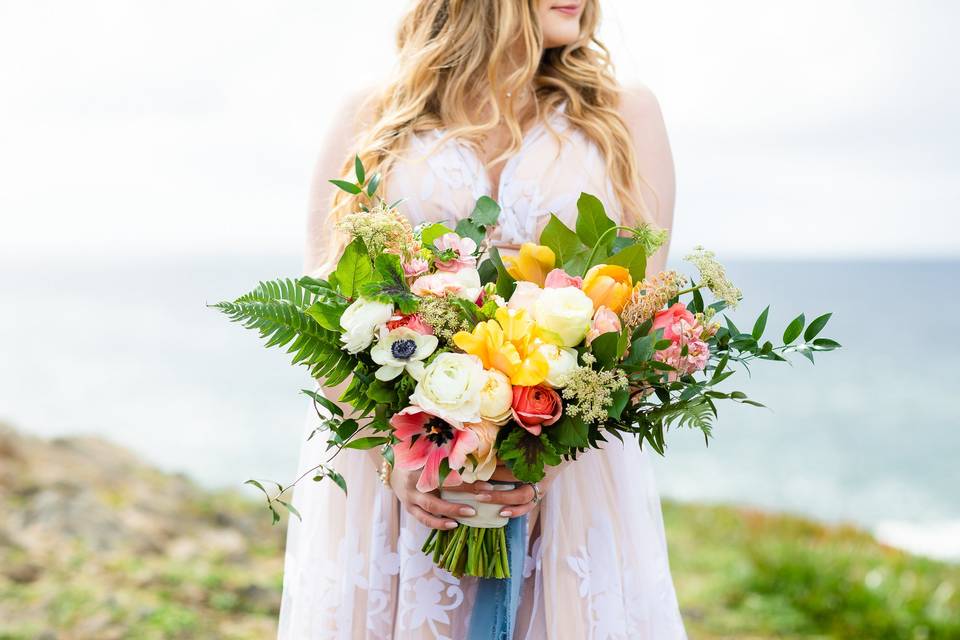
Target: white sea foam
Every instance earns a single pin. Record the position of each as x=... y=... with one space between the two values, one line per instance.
x=938 y=540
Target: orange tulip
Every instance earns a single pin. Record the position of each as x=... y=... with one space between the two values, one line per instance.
x=608 y=285
x=532 y=264
x=507 y=344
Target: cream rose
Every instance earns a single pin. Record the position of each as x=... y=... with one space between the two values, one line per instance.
x=565 y=311
x=562 y=362
x=496 y=397
x=450 y=388
x=361 y=321
x=485 y=453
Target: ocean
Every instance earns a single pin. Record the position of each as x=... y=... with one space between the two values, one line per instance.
x=870 y=435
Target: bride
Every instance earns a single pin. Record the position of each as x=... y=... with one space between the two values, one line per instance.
x=514 y=99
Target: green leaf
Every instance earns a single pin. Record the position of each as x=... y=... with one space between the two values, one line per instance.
x=367 y=443
x=467 y=228
x=326 y=314
x=354 y=268
x=430 y=234
x=826 y=344
x=593 y=223
x=793 y=329
x=760 y=324
x=641 y=350
x=633 y=258
x=381 y=392
x=488 y=271
x=289 y=507
x=258 y=485
x=323 y=401
x=526 y=454
x=358 y=170
x=349 y=187
x=606 y=348
x=486 y=212
x=338 y=479
x=620 y=400
x=392 y=287
x=570 y=431
x=564 y=243
x=505 y=282
x=444 y=470
x=816 y=327
x=374 y=184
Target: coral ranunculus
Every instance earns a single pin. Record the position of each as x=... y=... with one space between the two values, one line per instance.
x=604 y=321
x=532 y=264
x=536 y=407
x=672 y=321
x=608 y=285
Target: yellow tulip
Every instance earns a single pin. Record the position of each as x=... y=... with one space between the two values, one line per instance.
x=532 y=264
x=608 y=285
x=507 y=344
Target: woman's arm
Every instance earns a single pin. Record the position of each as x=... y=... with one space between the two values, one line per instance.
x=641 y=112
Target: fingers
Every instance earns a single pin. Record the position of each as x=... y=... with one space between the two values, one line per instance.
x=430 y=520
x=514 y=497
x=432 y=504
x=517 y=511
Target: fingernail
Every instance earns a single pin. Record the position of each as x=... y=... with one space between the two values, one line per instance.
x=506 y=513
x=468 y=511
x=483 y=497
x=451 y=525
x=484 y=486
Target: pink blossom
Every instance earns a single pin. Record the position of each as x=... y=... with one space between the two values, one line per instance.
x=413 y=322
x=698 y=353
x=436 y=441
x=604 y=321
x=558 y=278
x=416 y=267
x=464 y=248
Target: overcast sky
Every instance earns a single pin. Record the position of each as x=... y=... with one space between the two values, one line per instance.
x=822 y=128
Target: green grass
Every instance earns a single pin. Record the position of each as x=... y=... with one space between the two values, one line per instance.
x=739 y=574
x=744 y=574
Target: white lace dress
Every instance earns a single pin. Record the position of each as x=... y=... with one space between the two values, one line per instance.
x=597 y=565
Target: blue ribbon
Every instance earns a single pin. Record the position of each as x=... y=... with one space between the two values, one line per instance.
x=495 y=607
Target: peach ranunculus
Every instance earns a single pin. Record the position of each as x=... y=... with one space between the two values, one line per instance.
x=413 y=321
x=485 y=454
x=560 y=278
x=536 y=407
x=464 y=283
x=508 y=343
x=531 y=264
x=674 y=321
x=604 y=321
x=608 y=285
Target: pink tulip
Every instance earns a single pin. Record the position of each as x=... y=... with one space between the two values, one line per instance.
x=604 y=321
x=558 y=278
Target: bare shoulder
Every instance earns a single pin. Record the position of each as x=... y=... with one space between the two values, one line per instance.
x=639 y=106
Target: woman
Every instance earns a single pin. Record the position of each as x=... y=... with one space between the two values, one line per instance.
x=513 y=99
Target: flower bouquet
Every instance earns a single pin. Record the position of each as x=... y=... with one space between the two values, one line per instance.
x=458 y=359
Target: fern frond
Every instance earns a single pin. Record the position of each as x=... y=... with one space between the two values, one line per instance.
x=277 y=311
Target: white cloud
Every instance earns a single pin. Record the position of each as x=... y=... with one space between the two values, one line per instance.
x=142 y=128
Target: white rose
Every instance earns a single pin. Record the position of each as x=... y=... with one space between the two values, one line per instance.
x=496 y=397
x=450 y=388
x=562 y=362
x=361 y=321
x=525 y=296
x=566 y=311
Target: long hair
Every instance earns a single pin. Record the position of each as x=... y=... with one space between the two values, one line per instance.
x=463 y=64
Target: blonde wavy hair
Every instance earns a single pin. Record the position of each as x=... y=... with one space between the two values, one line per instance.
x=462 y=66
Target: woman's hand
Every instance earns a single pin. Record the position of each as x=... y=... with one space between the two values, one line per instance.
x=428 y=508
x=516 y=502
